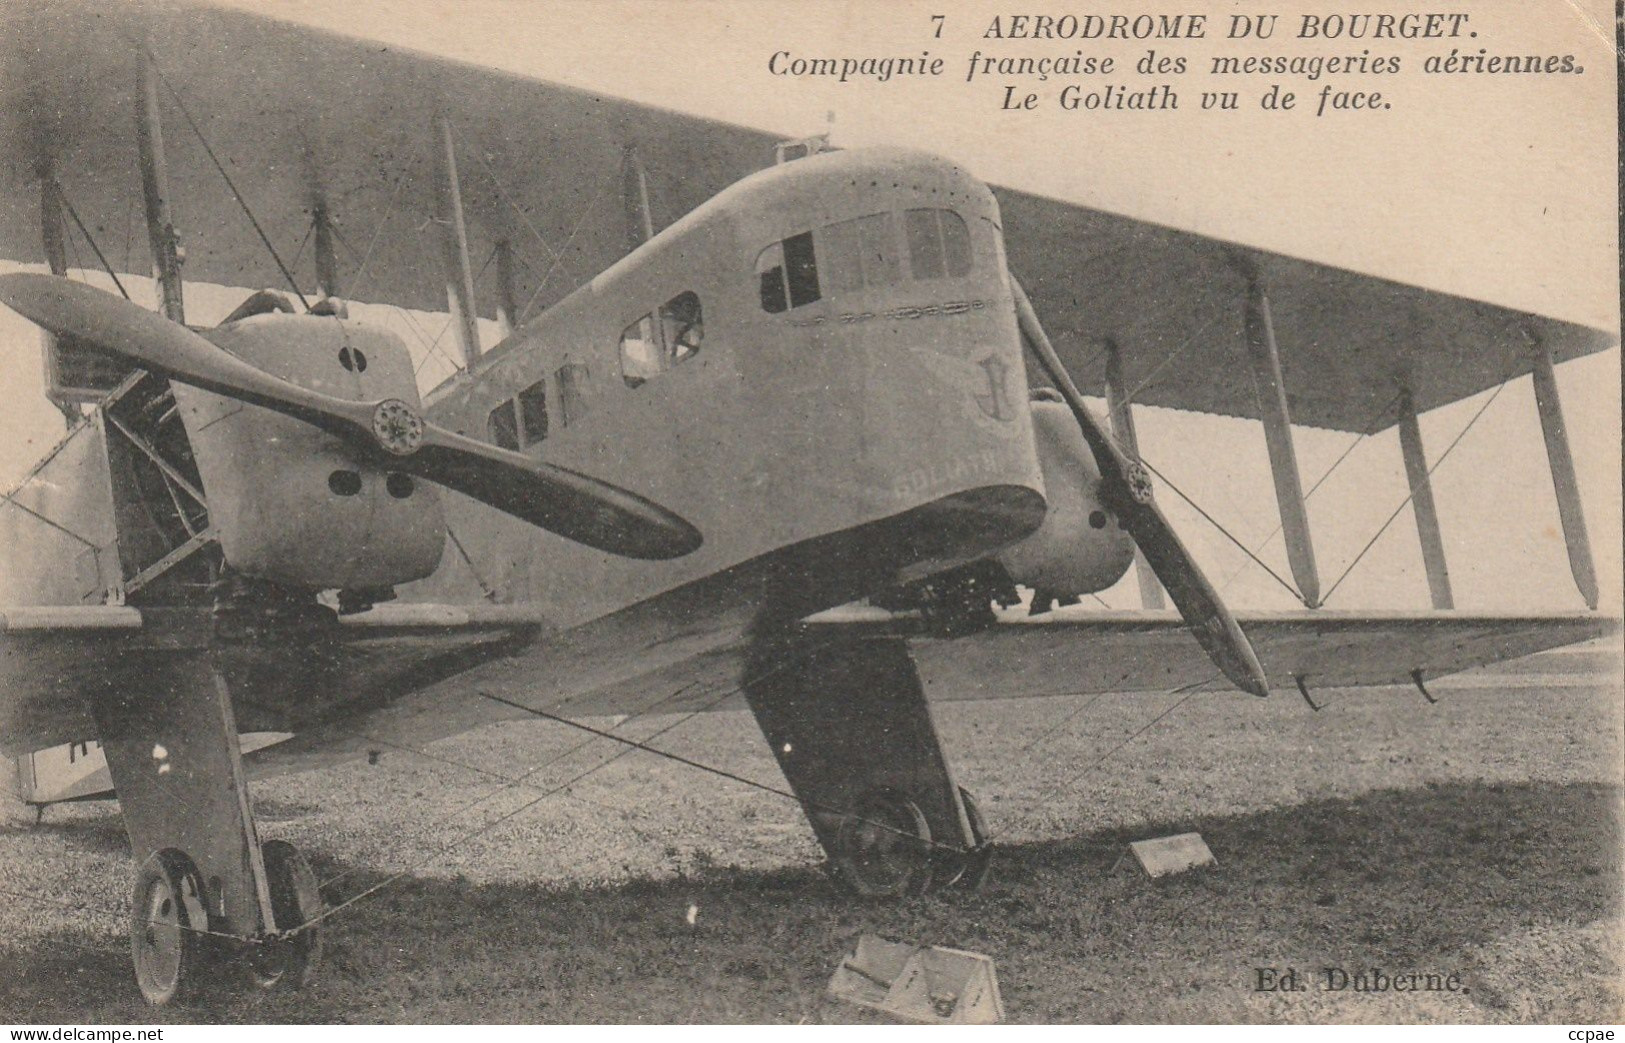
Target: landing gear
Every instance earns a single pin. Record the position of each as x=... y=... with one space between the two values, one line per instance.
x=284 y=961
x=970 y=870
x=850 y=726
x=883 y=847
x=209 y=899
x=168 y=918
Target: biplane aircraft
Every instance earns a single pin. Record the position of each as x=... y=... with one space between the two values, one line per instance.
x=798 y=425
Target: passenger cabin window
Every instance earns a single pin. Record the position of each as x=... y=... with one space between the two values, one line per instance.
x=861 y=253
x=662 y=339
x=533 y=413
x=938 y=243
x=502 y=426
x=571 y=379
x=521 y=421
x=788 y=274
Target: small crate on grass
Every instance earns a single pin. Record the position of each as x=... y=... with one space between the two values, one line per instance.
x=927 y=984
x=1164 y=856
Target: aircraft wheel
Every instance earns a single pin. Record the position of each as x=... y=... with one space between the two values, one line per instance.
x=284 y=963
x=978 y=862
x=967 y=869
x=883 y=847
x=168 y=915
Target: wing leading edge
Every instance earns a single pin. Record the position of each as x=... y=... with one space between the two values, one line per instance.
x=346 y=124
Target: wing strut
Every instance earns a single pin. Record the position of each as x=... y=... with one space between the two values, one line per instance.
x=1266 y=363
x=454 y=243
x=1427 y=515
x=1564 y=482
x=161 y=237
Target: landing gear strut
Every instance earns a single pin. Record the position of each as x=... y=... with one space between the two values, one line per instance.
x=851 y=728
x=284 y=961
x=209 y=899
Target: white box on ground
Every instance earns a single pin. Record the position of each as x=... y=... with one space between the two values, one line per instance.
x=1163 y=856
x=927 y=984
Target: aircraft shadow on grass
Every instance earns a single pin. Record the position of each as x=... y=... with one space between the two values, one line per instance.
x=1397 y=878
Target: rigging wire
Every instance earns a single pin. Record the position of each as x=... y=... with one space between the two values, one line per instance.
x=558 y=260
x=309 y=231
x=634 y=744
x=1225 y=532
x=726 y=694
x=1190 y=692
x=1362 y=436
x=62 y=197
x=503 y=192
x=173 y=93
x=1411 y=495
x=1186 y=346
x=486 y=827
x=364 y=259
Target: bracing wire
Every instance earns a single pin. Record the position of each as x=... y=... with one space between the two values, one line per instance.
x=1372 y=542
x=1190 y=692
x=1223 y=531
x=258 y=229
x=1349 y=449
x=62 y=197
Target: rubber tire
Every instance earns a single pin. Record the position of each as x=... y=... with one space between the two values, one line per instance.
x=168 y=910
x=286 y=964
x=967 y=870
x=853 y=870
x=979 y=862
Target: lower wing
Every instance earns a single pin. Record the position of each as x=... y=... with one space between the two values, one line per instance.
x=398 y=678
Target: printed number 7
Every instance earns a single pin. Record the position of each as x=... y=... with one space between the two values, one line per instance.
x=939 y=19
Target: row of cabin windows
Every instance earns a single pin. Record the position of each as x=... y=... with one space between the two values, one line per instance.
x=521 y=421
x=862 y=252
x=649 y=346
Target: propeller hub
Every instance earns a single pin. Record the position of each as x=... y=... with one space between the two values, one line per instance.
x=397 y=427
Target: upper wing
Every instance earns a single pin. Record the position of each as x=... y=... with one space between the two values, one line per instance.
x=349 y=123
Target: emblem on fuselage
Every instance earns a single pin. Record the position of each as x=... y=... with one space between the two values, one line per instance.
x=995 y=402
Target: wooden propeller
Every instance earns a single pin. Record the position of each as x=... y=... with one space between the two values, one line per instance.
x=1125 y=489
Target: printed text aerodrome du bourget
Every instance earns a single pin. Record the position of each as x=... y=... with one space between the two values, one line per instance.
x=1016 y=50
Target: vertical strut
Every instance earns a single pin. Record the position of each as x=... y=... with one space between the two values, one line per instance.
x=53 y=236
x=640 y=224
x=161 y=237
x=1427 y=517
x=1121 y=409
x=327 y=265
x=507 y=288
x=1564 y=482
x=1266 y=362
x=454 y=244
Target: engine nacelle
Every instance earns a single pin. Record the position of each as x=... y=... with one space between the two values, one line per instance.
x=1080 y=548
x=292 y=504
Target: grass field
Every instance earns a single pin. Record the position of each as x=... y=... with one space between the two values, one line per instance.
x=1481 y=837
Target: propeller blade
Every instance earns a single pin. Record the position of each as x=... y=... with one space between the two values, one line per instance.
x=388 y=433
x=1126 y=490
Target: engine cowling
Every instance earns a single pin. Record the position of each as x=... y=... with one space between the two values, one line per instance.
x=291 y=503
x=1079 y=548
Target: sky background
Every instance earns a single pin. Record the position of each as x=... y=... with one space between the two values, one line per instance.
x=1500 y=188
